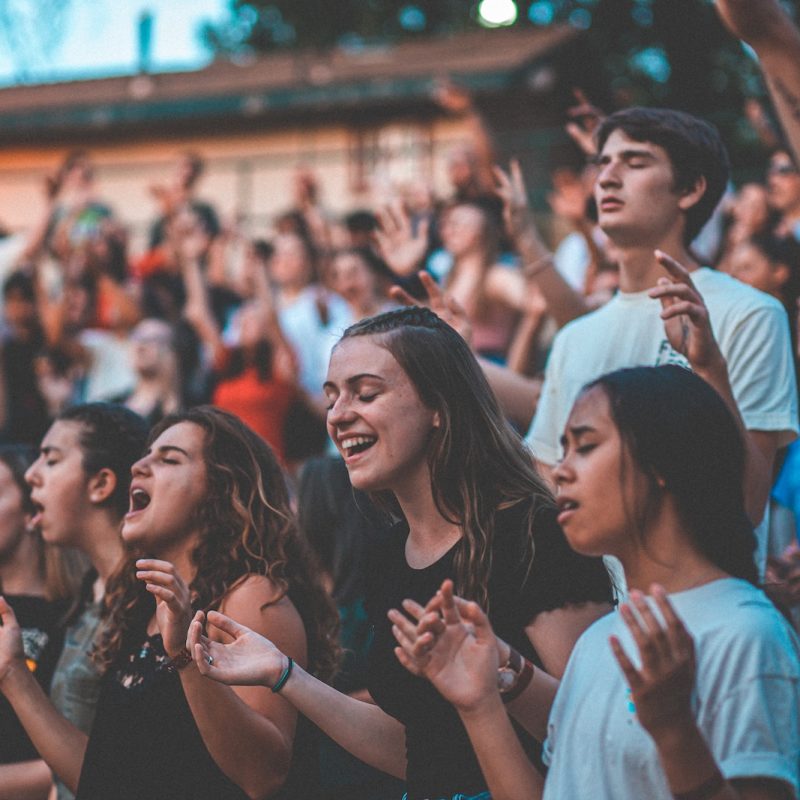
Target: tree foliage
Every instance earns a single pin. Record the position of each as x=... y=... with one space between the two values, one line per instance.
x=665 y=52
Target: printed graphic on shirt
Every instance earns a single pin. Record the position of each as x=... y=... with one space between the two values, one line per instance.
x=667 y=354
x=34 y=642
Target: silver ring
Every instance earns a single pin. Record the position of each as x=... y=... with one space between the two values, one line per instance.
x=209 y=660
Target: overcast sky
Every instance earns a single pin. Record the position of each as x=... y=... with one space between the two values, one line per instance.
x=99 y=37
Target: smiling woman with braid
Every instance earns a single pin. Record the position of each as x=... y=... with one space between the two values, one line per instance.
x=418 y=427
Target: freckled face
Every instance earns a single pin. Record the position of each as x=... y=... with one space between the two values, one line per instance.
x=376 y=417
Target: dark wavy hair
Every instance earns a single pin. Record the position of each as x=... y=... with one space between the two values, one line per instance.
x=694 y=147
x=478 y=464
x=111 y=437
x=247 y=528
x=679 y=430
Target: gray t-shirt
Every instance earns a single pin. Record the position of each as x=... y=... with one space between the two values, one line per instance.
x=75 y=688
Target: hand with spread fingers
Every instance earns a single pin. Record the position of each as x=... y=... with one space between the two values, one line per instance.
x=11 y=648
x=456 y=650
x=401 y=246
x=444 y=305
x=517 y=214
x=686 y=320
x=248 y=659
x=661 y=688
x=173 y=601
x=584 y=120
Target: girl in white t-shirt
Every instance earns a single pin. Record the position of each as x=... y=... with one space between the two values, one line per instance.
x=691 y=691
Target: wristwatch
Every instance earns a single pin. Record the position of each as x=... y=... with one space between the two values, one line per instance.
x=514 y=676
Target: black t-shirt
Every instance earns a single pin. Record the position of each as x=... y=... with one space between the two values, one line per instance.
x=441 y=761
x=42 y=638
x=144 y=742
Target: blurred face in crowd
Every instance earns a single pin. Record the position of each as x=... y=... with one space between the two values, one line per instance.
x=168 y=486
x=598 y=485
x=152 y=347
x=59 y=484
x=13 y=519
x=376 y=418
x=752 y=266
x=290 y=265
x=637 y=204
x=751 y=207
x=353 y=280
x=783 y=183
x=251 y=325
x=461 y=167
x=19 y=311
x=462 y=229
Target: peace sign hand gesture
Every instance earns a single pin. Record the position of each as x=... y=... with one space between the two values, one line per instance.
x=662 y=687
x=686 y=320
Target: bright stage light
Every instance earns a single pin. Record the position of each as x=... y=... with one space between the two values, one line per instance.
x=497 y=13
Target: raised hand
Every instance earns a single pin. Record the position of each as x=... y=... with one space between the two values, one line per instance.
x=661 y=689
x=753 y=22
x=11 y=649
x=686 y=320
x=458 y=654
x=585 y=119
x=173 y=601
x=444 y=305
x=452 y=98
x=510 y=188
x=401 y=247
x=247 y=660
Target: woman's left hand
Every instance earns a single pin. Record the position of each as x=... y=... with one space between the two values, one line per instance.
x=662 y=688
x=173 y=601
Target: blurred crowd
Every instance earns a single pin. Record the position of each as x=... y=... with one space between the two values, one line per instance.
x=564 y=324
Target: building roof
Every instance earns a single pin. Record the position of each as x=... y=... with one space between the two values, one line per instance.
x=276 y=85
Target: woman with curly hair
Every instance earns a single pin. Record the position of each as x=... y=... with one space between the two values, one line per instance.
x=209 y=527
x=418 y=427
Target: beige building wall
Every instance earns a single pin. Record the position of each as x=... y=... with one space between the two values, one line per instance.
x=246 y=174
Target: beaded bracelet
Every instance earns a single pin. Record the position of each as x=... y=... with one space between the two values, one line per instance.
x=181 y=660
x=284 y=676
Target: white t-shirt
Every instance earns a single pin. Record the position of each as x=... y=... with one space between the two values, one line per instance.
x=572 y=259
x=746 y=700
x=311 y=339
x=751 y=329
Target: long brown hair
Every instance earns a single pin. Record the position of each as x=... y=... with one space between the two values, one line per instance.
x=247 y=528
x=478 y=464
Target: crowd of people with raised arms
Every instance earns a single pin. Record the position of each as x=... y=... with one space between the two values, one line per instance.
x=301 y=545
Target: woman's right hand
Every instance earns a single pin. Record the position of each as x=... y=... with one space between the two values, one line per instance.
x=12 y=652
x=248 y=660
x=459 y=655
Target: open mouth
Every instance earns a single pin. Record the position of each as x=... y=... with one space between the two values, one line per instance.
x=565 y=507
x=139 y=500
x=38 y=510
x=357 y=444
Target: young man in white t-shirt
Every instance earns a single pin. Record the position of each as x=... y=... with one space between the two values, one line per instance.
x=661 y=173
